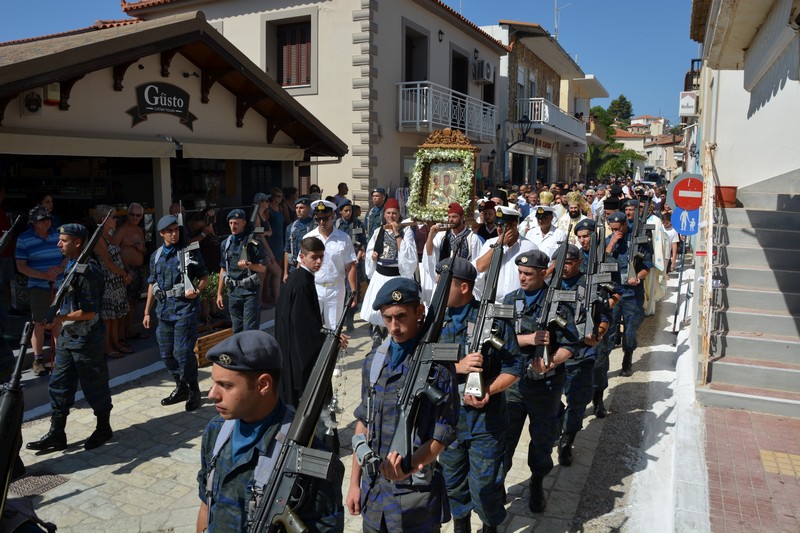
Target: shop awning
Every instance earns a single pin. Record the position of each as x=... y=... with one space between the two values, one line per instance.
x=193 y=150
x=31 y=144
x=67 y=58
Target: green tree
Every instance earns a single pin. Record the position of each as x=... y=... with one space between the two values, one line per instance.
x=604 y=118
x=621 y=108
x=676 y=130
x=618 y=163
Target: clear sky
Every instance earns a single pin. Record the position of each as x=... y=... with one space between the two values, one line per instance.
x=639 y=48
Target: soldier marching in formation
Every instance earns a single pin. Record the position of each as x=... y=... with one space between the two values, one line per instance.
x=459 y=445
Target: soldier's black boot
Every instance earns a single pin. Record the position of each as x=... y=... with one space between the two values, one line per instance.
x=461 y=525
x=599 y=408
x=179 y=394
x=565 y=449
x=55 y=439
x=537 y=503
x=195 y=398
x=627 y=364
x=101 y=434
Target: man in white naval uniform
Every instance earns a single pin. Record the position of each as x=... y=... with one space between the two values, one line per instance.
x=339 y=263
x=545 y=235
x=513 y=245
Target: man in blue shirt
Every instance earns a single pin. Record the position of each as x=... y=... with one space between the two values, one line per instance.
x=246 y=374
x=388 y=498
x=39 y=258
x=176 y=309
x=473 y=464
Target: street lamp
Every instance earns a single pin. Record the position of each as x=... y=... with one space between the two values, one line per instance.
x=525 y=125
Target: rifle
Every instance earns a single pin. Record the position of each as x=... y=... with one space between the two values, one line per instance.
x=251 y=238
x=12 y=405
x=427 y=352
x=598 y=282
x=296 y=458
x=485 y=333
x=6 y=239
x=554 y=296
x=185 y=253
x=638 y=237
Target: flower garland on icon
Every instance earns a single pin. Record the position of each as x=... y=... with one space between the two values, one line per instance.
x=418 y=208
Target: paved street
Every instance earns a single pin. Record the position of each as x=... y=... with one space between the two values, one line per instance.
x=624 y=476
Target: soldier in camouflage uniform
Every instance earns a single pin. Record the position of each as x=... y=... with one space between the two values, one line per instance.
x=387 y=498
x=473 y=464
x=580 y=368
x=246 y=372
x=79 y=353
x=176 y=309
x=241 y=262
x=538 y=394
x=294 y=234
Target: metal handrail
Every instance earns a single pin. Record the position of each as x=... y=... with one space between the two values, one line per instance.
x=707 y=310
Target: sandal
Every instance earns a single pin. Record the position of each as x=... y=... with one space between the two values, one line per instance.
x=115 y=355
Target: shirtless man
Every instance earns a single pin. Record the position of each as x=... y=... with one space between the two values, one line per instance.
x=132 y=244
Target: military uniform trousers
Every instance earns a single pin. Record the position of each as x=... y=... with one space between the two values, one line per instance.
x=630 y=312
x=244 y=308
x=80 y=359
x=578 y=388
x=539 y=400
x=405 y=509
x=176 y=340
x=474 y=474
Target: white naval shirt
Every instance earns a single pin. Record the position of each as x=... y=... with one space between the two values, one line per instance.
x=339 y=252
x=548 y=242
x=508 y=280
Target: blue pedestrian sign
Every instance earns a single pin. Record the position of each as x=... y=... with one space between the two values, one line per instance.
x=686 y=222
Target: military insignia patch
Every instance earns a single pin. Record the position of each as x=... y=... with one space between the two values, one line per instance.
x=397 y=296
x=225 y=359
x=523 y=260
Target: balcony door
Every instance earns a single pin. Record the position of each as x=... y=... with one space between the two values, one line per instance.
x=459 y=72
x=416 y=55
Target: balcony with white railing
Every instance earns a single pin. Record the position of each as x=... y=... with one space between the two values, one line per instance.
x=543 y=113
x=424 y=106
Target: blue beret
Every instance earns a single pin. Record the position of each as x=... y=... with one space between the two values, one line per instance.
x=322 y=207
x=75 y=230
x=630 y=203
x=573 y=252
x=236 y=213
x=533 y=259
x=260 y=197
x=380 y=190
x=251 y=350
x=303 y=200
x=344 y=202
x=398 y=290
x=584 y=224
x=166 y=221
x=617 y=216
x=462 y=269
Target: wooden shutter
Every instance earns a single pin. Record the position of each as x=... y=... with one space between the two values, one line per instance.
x=294 y=54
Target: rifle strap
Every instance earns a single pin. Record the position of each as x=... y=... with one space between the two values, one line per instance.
x=378 y=363
x=266 y=462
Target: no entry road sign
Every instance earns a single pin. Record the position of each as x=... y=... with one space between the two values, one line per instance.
x=686 y=192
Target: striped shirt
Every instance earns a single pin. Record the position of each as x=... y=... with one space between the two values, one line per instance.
x=40 y=254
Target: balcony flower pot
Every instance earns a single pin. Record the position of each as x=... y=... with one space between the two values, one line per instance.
x=725 y=196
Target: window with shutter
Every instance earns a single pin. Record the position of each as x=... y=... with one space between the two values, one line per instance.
x=294 y=54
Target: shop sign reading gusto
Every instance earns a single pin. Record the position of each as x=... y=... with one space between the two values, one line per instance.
x=161 y=98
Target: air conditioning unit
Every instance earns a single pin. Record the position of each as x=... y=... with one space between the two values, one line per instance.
x=482 y=72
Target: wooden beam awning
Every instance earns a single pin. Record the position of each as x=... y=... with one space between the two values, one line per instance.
x=66 y=58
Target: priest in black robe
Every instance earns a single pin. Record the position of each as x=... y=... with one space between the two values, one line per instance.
x=298 y=322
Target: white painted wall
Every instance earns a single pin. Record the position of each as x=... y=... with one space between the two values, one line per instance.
x=751 y=148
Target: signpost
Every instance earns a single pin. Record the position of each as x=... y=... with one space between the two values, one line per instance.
x=685 y=195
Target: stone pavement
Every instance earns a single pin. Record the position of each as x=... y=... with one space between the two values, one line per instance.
x=145 y=478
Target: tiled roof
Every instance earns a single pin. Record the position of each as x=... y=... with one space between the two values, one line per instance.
x=132 y=6
x=622 y=134
x=645 y=117
x=666 y=139
x=98 y=25
x=142 y=4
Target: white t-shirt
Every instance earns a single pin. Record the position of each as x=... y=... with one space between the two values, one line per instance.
x=508 y=280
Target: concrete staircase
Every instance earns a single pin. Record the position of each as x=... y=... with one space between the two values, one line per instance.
x=755 y=347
